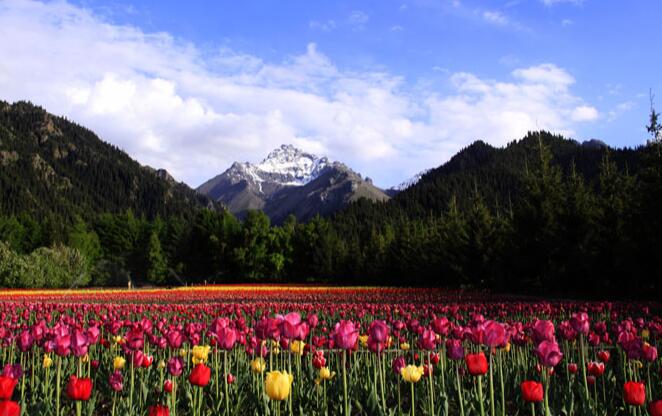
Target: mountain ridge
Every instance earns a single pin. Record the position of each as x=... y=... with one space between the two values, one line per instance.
x=290 y=181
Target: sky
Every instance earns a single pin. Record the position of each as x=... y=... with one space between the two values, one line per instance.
x=388 y=87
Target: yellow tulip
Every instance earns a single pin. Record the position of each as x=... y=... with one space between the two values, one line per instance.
x=297 y=347
x=85 y=358
x=162 y=364
x=364 y=340
x=404 y=346
x=118 y=339
x=277 y=385
x=258 y=365
x=645 y=334
x=326 y=374
x=200 y=354
x=507 y=347
x=118 y=363
x=411 y=373
x=48 y=361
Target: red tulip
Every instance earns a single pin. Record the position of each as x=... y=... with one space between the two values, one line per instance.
x=634 y=393
x=79 y=388
x=7 y=385
x=167 y=386
x=318 y=359
x=231 y=378
x=147 y=361
x=9 y=408
x=200 y=375
x=604 y=356
x=596 y=369
x=655 y=408
x=572 y=368
x=532 y=391
x=434 y=358
x=159 y=410
x=476 y=364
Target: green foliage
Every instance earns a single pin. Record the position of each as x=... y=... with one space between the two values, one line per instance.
x=541 y=215
x=85 y=241
x=157 y=267
x=51 y=267
x=53 y=168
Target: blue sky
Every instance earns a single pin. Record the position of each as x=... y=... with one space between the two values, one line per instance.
x=389 y=87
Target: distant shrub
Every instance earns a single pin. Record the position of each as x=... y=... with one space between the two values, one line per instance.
x=51 y=267
x=13 y=267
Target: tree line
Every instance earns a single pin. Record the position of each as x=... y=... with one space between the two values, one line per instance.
x=569 y=221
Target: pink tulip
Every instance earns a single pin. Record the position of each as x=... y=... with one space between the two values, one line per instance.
x=549 y=354
x=580 y=322
x=427 y=340
x=543 y=331
x=495 y=334
x=116 y=380
x=345 y=335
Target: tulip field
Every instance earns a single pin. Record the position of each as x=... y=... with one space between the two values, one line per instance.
x=313 y=350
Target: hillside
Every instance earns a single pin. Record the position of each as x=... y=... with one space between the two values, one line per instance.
x=498 y=173
x=52 y=167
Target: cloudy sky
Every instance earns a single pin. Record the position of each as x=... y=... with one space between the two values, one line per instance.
x=388 y=87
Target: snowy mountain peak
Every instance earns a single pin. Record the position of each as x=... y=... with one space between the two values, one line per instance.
x=289 y=165
x=409 y=182
x=289 y=181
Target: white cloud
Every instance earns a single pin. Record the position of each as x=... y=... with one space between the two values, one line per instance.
x=171 y=104
x=495 y=17
x=500 y=19
x=619 y=110
x=548 y=74
x=325 y=26
x=585 y=113
x=358 y=19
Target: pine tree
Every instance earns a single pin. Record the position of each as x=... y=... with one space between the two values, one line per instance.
x=157 y=266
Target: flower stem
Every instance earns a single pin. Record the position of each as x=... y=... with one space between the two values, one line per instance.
x=225 y=369
x=344 y=380
x=431 y=385
x=492 y=412
x=459 y=391
x=413 y=402
x=480 y=395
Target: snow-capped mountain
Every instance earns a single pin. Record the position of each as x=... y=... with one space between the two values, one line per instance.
x=406 y=184
x=290 y=166
x=289 y=181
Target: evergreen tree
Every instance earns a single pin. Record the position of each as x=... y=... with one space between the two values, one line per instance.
x=157 y=266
